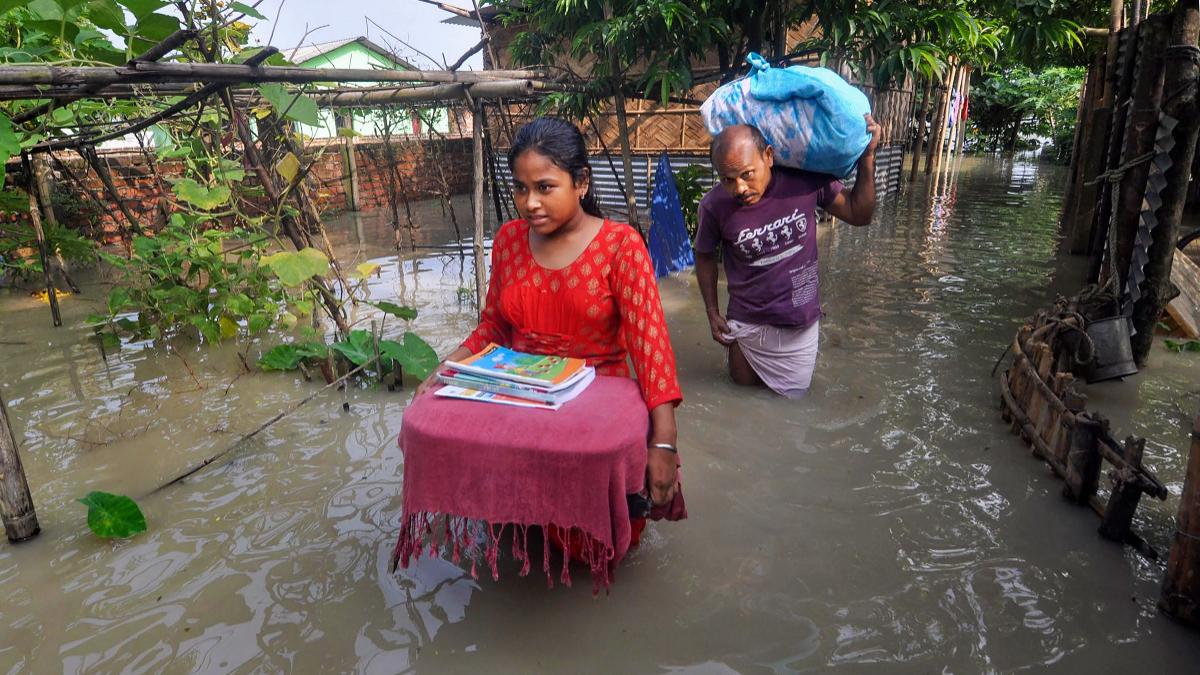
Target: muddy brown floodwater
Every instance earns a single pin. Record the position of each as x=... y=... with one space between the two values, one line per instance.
x=888 y=523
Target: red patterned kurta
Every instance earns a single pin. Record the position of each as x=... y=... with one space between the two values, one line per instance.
x=601 y=307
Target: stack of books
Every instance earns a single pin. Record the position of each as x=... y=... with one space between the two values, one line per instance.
x=500 y=375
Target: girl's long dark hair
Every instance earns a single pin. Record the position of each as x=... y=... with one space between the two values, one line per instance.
x=561 y=143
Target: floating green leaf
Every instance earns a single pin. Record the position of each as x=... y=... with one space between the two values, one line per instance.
x=294 y=268
x=1182 y=346
x=113 y=516
x=414 y=354
x=406 y=313
x=200 y=196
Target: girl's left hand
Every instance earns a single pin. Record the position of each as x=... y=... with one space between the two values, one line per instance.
x=661 y=475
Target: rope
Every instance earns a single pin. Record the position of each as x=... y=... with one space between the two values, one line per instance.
x=1185 y=535
x=1115 y=175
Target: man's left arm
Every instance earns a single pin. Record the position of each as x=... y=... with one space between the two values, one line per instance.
x=858 y=207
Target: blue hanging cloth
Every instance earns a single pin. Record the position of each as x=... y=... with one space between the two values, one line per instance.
x=670 y=247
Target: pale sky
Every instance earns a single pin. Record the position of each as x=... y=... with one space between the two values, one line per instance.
x=407 y=21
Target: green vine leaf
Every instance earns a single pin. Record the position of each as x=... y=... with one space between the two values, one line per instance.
x=294 y=268
x=281 y=357
x=249 y=11
x=288 y=166
x=199 y=196
x=113 y=516
x=292 y=106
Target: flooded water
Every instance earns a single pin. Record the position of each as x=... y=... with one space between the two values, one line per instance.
x=888 y=523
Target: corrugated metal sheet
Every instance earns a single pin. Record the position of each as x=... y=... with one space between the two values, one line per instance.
x=888 y=171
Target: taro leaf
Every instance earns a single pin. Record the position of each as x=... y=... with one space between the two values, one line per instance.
x=288 y=166
x=246 y=9
x=292 y=106
x=414 y=355
x=312 y=350
x=282 y=357
x=199 y=196
x=357 y=347
x=294 y=268
x=406 y=313
x=113 y=516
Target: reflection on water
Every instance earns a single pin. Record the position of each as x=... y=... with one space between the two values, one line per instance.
x=888 y=520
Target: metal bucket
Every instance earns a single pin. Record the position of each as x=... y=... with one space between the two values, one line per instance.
x=1114 y=354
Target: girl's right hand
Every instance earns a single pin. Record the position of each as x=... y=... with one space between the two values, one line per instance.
x=428 y=382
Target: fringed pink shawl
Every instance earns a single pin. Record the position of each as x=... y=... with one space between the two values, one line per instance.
x=516 y=467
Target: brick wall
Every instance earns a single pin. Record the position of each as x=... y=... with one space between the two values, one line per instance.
x=419 y=169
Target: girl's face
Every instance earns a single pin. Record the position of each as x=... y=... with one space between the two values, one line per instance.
x=545 y=193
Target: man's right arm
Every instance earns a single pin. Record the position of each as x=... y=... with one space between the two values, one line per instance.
x=706 y=276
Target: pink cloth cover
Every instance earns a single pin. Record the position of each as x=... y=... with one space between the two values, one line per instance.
x=517 y=467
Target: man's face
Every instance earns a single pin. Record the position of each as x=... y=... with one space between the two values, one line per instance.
x=745 y=171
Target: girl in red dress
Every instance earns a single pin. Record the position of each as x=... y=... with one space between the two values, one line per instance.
x=568 y=282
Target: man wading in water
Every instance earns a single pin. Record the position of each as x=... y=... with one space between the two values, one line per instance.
x=763 y=218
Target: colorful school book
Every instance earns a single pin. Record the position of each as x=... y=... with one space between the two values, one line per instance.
x=480 y=383
x=490 y=397
x=549 y=373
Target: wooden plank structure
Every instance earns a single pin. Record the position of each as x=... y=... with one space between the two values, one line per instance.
x=1040 y=400
x=1139 y=121
x=1184 y=310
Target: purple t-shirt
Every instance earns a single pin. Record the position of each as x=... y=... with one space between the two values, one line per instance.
x=769 y=247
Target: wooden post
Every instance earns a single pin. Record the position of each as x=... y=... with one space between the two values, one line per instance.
x=39 y=195
x=1079 y=237
x=16 y=504
x=1181 y=588
x=1083 y=460
x=477 y=202
x=353 y=200
x=1140 y=127
x=1087 y=99
x=1126 y=493
x=922 y=126
x=1181 y=105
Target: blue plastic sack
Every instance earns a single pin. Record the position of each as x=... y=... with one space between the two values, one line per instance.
x=811 y=116
x=669 y=244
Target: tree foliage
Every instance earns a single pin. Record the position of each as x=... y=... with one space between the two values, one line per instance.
x=1015 y=101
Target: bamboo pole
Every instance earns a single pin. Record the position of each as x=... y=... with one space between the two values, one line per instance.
x=228 y=73
x=939 y=120
x=1182 y=109
x=922 y=128
x=16 y=504
x=1181 y=587
x=38 y=195
x=477 y=202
